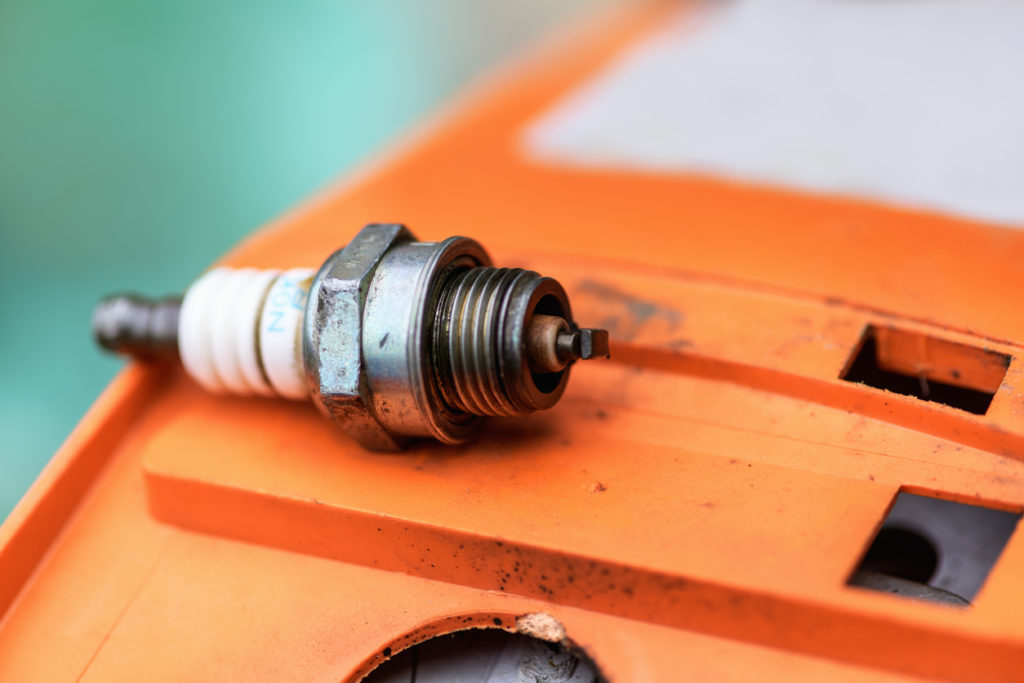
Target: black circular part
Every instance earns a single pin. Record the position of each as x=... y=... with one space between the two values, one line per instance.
x=903 y=553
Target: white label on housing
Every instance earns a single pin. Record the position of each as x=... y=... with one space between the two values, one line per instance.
x=914 y=102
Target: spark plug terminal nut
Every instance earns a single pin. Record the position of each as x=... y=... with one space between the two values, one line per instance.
x=396 y=338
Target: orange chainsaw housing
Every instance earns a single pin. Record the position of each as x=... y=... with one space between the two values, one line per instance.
x=691 y=510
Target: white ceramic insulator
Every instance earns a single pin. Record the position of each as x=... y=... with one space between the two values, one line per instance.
x=240 y=331
x=280 y=332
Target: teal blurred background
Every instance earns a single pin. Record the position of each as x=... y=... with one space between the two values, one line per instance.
x=140 y=140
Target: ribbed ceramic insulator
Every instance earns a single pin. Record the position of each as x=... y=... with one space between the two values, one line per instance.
x=239 y=331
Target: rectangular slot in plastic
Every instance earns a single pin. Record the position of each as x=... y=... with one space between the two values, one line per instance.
x=934 y=550
x=928 y=368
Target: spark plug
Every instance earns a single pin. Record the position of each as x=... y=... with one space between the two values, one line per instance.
x=392 y=338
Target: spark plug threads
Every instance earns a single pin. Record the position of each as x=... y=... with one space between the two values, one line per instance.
x=480 y=335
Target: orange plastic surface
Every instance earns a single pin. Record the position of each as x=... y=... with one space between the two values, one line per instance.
x=690 y=510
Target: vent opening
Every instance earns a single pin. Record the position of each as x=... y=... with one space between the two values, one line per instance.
x=929 y=368
x=487 y=656
x=936 y=550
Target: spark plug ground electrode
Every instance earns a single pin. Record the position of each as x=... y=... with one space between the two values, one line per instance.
x=392 y=338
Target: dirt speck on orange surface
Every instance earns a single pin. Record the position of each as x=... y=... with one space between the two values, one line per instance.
x=542 y=626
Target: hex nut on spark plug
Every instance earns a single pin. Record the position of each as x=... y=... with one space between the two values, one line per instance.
x=332 y=335
x=392 y=338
